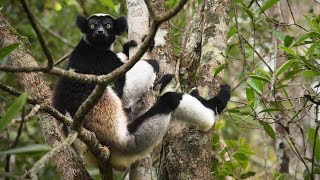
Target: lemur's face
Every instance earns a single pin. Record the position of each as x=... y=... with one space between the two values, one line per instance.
x=101 y=29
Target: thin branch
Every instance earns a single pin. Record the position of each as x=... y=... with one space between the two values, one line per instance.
x=28 y=117
x=281 y=24
x=172 y=12
x=245 y=40
x=7 y=167
x=51 y=154
x=63 y=58
x=39 y=35
x=54 y=34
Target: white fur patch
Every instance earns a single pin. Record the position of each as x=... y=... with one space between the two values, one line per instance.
x=151 y=133
x=159 y=38
x=99 y=15
x=123 y=57
x=193 y=111
x=138 y=80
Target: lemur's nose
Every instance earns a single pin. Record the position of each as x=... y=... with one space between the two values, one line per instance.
x=100 y=31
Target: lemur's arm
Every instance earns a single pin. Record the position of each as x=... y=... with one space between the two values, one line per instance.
x=124 y=55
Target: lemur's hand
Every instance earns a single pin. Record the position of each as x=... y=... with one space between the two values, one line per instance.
x=127 y=46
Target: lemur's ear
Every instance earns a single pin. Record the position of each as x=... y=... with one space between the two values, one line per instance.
x=82 y=23
x=120 y=25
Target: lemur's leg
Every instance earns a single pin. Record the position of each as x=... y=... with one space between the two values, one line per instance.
x=154 y=123
x=138 y=80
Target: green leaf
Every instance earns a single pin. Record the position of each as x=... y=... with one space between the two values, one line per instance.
x=287 y=50
x=278 y=34
x=310 y=73
x=268 y=5
x=268 y=129
x=244 y=7
x=311 y=137
x=313 y=23
x=263 y=73
x=13 y=110
x=218 y=69
x=108 y=3
x=247 y=175
x=232 y=32
x=117 y=8
x=250 y=95
x=27 y=149
x=306 y=36
x=4 y=51
x=310 y=50
x=317 y=170
x=262 y=78
x=241 y=158
x=288 y=40
x=257 y=86
x=284 y=67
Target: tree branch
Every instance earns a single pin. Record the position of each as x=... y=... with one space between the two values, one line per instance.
x=39 y=35
x=32 y=173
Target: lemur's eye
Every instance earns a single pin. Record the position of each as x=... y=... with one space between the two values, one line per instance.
x=108 y=25
x=92 y=26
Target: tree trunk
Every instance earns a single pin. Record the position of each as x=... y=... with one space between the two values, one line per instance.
x=68 y=165
x=187 y=152
x=138 y=22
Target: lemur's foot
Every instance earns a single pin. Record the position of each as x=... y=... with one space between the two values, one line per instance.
x=217 y=103
x=151 y=45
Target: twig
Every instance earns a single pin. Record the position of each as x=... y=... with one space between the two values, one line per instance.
x=39 y=35
x=7 y=168
x=28 y=117
x=281 y=24
x=63 y=58
x=52 y=153
x=245 y=40
x=54 y=34
x=314 y=142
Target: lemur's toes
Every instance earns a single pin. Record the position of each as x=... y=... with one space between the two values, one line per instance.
x=151 y=45
x=194 y=92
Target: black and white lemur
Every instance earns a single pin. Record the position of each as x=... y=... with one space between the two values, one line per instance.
x=128 y=140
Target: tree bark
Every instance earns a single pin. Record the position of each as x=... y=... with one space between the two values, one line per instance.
x=187 y=152
x=69 y=167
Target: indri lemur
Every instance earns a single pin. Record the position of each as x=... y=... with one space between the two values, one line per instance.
x=128 y=140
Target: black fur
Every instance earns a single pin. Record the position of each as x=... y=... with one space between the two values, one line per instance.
x=86 y=59
x=121 y=25
x=126 y=47
x=165 y=104
x=217 y=103
x=154 y=64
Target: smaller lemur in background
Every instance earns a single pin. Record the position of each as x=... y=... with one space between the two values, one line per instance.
x=128 y=140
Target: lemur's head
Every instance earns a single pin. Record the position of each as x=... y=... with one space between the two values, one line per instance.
x=101 y=29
